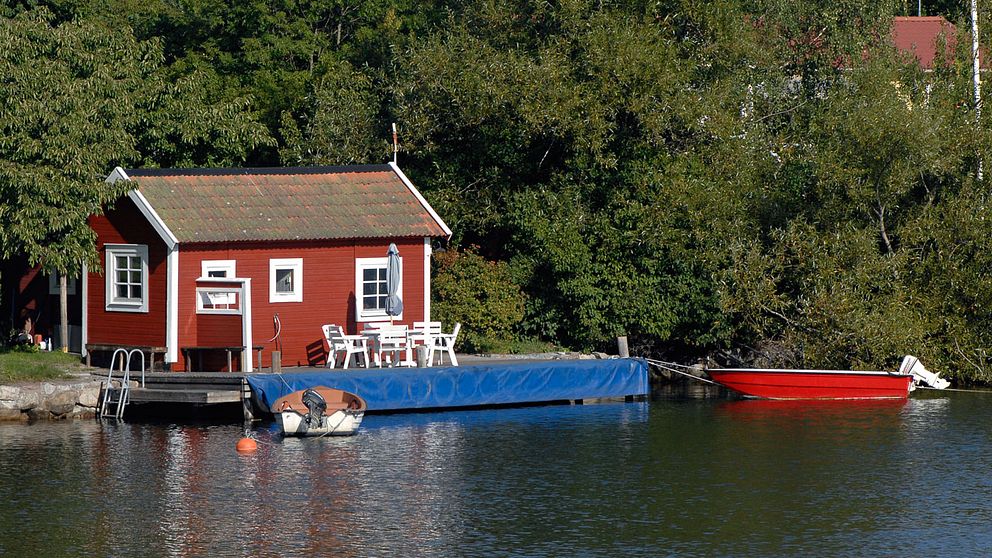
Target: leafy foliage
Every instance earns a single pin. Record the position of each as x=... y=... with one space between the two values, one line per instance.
x=68 y=103
x=763 y=178
x=479 y=294
x=80 y=98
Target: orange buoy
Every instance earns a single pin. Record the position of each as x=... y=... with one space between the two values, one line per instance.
x=246 y=445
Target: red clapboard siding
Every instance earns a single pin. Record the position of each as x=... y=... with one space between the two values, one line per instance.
x=124 y=224
x=328 y=292
x=32 y=289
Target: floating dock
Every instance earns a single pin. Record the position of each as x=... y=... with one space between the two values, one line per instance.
x=400 y=389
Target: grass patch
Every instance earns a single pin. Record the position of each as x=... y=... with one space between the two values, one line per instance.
x=32 y=366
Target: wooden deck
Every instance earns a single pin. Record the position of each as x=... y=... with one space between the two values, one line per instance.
x=203 y=388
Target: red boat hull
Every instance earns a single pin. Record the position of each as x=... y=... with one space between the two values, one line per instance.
x=813 y=384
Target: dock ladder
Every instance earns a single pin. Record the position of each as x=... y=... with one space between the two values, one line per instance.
x=115 y=399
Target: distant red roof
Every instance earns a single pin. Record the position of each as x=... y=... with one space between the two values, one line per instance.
x=919 y=36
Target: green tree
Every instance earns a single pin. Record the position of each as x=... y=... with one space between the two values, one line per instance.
x=479 y=294
x=341 y=124
x=78 y=99
x=69 y=100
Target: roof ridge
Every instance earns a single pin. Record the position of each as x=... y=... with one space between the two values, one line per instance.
x=241 y=171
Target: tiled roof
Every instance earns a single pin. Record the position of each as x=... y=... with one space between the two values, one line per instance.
x=300 y=203
x=919 y=35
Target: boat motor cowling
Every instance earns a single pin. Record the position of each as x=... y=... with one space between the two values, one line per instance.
x=912 y=365
x=316 y=405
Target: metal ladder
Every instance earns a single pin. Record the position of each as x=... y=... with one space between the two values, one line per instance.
x=115 y=399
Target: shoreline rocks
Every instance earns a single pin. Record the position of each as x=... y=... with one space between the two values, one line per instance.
x=52 y=400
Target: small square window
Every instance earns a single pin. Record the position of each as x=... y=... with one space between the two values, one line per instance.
x=286 y=280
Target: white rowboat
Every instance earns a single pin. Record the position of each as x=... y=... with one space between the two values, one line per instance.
x=319 y=411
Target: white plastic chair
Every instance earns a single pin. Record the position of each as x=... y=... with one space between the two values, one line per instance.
x=425 y=333
x=338 y=343
x=445 y=343
x=427 y=328
x=391 y=341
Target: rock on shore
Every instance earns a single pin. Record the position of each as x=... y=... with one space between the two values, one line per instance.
x=55 y=400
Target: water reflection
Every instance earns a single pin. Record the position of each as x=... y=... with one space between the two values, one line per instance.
x=675 y=477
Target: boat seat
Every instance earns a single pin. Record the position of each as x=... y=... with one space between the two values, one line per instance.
x=331 y=407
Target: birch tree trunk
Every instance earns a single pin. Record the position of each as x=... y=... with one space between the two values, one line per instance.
x=976 y=67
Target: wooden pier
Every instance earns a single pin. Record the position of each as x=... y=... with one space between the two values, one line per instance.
x=203 y=388
x=480 y=383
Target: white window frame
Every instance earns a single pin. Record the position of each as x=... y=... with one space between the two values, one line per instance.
x=53 y=285
x=229 y=267
x=219 y=296
x=375 y=314
x=113 y=302
x=294 y=264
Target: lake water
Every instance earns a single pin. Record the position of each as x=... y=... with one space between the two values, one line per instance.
x=690 y=477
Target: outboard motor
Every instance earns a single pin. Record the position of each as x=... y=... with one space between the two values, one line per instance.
x=316 y=405
x=911 y=365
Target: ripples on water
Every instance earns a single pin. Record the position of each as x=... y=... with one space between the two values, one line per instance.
x=677 y=478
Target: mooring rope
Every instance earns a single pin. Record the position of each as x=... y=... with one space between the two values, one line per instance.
x=344 y=415
x=249 y=433
x=953 y=389
x=673 y=367
x=662 y=363
x=291 y=390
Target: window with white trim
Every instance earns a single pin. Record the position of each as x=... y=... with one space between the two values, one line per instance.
x=218 y=300
x=286 y=280
x=217 y=268
x=372 y=289
x=127 y=278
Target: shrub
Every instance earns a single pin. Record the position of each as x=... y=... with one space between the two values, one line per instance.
x=480 y=294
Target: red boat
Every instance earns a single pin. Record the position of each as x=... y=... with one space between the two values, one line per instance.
x=778 y=383
x=772 y=383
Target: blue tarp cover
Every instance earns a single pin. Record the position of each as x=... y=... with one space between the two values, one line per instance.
x=392 y=389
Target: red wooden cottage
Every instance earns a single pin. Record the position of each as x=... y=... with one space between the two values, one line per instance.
x=228 y=257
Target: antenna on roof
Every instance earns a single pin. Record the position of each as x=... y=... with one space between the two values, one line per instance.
x=396 y=144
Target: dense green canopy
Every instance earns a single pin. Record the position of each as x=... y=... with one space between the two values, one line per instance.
x=760 y=179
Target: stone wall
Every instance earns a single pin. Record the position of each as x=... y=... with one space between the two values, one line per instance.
x=60 y=399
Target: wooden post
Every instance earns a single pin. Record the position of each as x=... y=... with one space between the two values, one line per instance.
x=622 y=347
x=421 y=356
x=276 y=362
x=63 y=312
